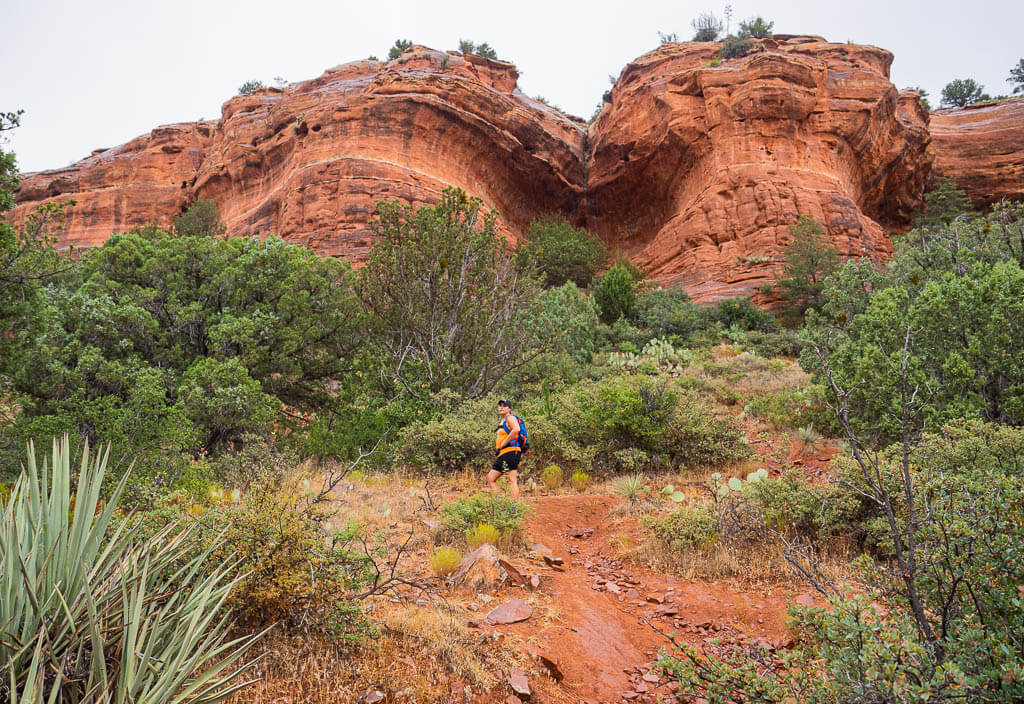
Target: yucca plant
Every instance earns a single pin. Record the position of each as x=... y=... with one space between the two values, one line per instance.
x=91 y=613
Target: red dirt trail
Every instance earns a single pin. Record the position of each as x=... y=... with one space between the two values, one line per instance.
x=604 y=642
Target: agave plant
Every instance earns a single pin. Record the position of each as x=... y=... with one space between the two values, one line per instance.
x=89 y=612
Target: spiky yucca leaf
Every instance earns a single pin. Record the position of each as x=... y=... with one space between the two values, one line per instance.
x=89 y=612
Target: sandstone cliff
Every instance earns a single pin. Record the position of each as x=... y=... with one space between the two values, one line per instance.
x=695 y=169
x=699 y=167
x=981 y=147
x=310 y=161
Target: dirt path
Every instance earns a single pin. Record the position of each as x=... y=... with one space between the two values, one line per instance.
x=607 y=615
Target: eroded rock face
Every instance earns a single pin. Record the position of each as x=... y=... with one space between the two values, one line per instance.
x=981 y=148
x=695 y=170
x=699 y=169
x=309 y=162
x=144 y=181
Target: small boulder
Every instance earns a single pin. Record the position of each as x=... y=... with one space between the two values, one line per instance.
x=480 y=570
x=514 y=575
x=370 y=695
x=512 y=611
x=519 y=684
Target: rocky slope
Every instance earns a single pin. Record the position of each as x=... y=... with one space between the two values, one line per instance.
x=695 y=169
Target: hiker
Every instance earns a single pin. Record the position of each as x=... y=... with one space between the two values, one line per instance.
x=508 y=448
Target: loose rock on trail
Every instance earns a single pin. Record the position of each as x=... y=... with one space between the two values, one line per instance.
x=609 y=619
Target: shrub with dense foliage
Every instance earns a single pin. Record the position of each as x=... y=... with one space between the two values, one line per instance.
x=947 y=316
x=504 y=514
x=961 y=92
x=734 y=47
x=615 y=294
x=561 y=252
x=756 y=27
x=167 y=346
x=399 y=48
x=810 y=259
x=449 y=304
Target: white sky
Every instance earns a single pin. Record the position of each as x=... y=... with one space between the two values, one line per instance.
x=98 y=73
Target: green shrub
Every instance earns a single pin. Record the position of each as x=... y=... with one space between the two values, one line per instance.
x=561 y=253
x=686 y=529
x=742 y=313
x=444 y=561
x=669 y=313
x=569 y=322
x=202 y=219
x=795 y=408
x=501 y=512
x=756 y=27
x=250 y=87
x=170 y=347
x=88 y=606
x=615 y=294
x=461 y=437
x=782 y=343
x=551 y=477
x=580 y=480
x=734 y=47
x=449 y=263
x=399 y=48
x=482 y=533
x=624 y=413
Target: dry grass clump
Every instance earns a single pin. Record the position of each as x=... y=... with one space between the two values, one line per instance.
x=482 y=533
x=431 y=645
x=437 y=635
x=444 y=561
x=552 y=477
x=580 y=480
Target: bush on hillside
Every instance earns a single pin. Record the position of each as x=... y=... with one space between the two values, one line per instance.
x=169 y=347
x=505 y=514
x=741 y=313
x=561 y=252
x=449 y=307
x=615 y=294
x=734 y=47
x=756 y=27
x=706 y=27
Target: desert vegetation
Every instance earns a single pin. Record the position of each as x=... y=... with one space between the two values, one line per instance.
x=293 y=445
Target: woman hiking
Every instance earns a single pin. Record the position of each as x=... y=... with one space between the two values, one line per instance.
x=508 y=448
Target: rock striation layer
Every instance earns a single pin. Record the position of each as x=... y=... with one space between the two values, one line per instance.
x=695 y=169
x=981 y=147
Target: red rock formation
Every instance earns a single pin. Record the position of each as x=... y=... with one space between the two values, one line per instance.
x=141 y=182
x=696 y=169
x=981 y=147
x=699 y=167
x=309 y=162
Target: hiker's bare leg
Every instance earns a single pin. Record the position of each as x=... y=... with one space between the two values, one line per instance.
x=492 y=478
x=513 y=479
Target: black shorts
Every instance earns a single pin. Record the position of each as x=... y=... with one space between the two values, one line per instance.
x=509 y=462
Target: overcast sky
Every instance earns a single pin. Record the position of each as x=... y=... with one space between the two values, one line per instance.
x=98 y=73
